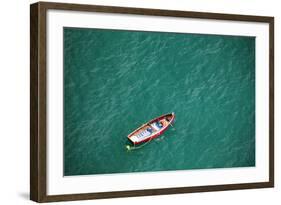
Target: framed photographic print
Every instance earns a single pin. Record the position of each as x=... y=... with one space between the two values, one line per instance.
x=134 y=102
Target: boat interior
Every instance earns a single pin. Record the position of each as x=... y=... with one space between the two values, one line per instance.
x=153 y=127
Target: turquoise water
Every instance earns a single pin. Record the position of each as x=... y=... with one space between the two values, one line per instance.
x=114 y=81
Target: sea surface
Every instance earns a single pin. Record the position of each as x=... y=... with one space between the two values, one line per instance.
x=114 y=81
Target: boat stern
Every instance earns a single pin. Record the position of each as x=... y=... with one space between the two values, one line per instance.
x=133 y=139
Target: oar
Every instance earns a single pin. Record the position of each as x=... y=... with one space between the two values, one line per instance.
x=173 y=127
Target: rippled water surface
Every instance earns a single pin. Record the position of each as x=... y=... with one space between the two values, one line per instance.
x=114 y=81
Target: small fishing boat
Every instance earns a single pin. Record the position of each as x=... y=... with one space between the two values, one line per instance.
x=151 y=129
